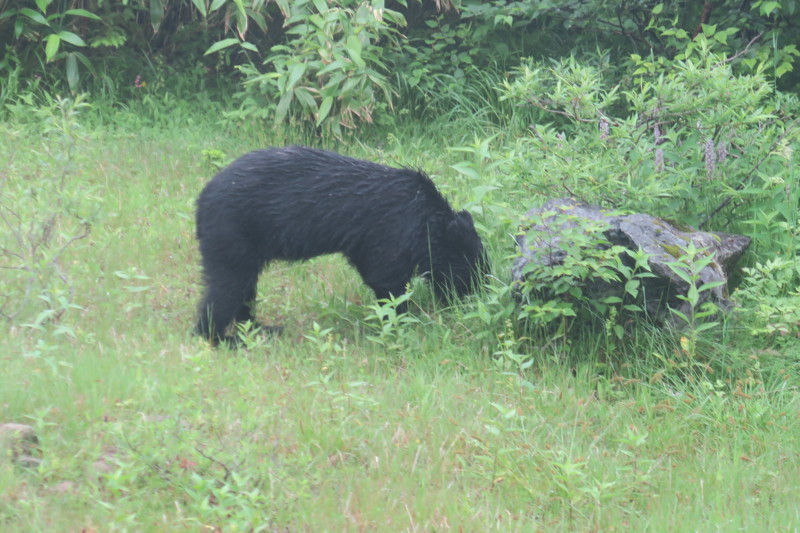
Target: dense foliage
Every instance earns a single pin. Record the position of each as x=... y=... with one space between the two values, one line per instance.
x=332 y=63
x=522 y=408
x=667 y=108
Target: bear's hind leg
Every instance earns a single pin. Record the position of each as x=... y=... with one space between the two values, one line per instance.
x=228 y=298
x=245 y=311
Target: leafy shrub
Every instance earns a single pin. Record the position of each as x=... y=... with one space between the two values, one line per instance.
x=581 y=278
x=435 y=66
x=687 y=139
x=770 y=300
x=331 y=70
x=48 y=24
x=41 y=217
x=761 y=34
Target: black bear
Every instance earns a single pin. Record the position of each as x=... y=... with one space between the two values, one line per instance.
x=297 y=203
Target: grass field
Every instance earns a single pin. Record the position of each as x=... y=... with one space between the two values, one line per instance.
x=350 y=421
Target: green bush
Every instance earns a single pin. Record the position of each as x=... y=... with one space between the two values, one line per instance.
x=687 y=140
x=580 y=286
x=769 y=300
x=46 y=33
x=43 y=215
x=330 y=72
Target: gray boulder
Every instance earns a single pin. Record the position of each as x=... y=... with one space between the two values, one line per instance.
x=544 y=244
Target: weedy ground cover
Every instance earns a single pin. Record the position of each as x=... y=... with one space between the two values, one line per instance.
x=450 y=418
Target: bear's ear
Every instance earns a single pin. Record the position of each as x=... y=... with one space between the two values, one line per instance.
x=465 y=217
x=461 y=228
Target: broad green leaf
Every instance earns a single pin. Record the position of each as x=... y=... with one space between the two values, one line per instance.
x=283 y=5
x=568 y=311
x=73 y=75
x=82 y=13
x=324 y=109
x=508 y=20
x=42 y=5
x=711 y=285
x=680 y=272
x=693 y=295
x=632 y=287
x=317 y=21
x=467 y=169
x=51 y=48
x=354 y=49
x=259 y=19
x=216 y=4
x=201 y=7
x=71 y=38
x=299 y=29
x=249 y=46
x=219 y=45
x=34 y=16
x=337 y=77
x=83 y=59
x=321 y=5
x=283 y=106
x=306 y=98
x=768 y=7
x=706 y=325
x=241 y=19
x=296 y=71
x=709 y=29
x=156 y=13
x=331 y=67
x=350 y=84
x=680 y=315
x=782 y=69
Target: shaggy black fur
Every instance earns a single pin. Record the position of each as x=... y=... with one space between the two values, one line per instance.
x=297 y=203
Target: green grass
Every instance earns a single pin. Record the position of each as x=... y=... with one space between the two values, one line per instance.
x=334 y=426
